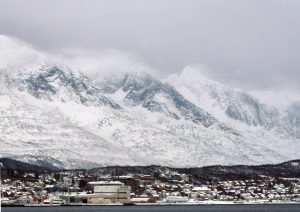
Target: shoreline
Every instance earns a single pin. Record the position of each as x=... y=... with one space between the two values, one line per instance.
x=153 y=204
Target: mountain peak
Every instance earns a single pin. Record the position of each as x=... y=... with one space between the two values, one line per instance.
x=56 y=83
x=193 y=77
x=158 y=123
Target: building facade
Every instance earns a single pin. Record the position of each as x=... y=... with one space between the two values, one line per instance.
x=109 y=192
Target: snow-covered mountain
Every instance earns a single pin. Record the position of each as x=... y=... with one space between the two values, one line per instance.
x=54 y=114
x=140 y=89
x=37 y=132
x=234 y=106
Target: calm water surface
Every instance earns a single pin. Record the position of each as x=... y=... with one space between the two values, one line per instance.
x=204 y=208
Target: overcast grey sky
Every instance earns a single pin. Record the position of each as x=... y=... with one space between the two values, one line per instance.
x=252 y=43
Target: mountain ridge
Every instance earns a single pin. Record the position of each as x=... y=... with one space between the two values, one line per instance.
x=134 y=119
x=288 y=169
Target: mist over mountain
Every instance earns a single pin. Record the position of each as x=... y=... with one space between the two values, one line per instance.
x=109 y=108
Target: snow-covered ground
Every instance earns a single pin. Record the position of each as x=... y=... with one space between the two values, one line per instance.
x=57 y=115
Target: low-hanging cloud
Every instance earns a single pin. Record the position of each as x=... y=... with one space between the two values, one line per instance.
x=17 y=55
x=107 y=61
x=252 y=44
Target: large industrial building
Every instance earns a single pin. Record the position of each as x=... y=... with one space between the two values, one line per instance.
x=108 y=192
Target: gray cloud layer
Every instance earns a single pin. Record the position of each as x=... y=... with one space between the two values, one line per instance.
x=253 y=44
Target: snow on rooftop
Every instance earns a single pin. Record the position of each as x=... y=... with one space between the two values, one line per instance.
x=203 y=188
x=105 y=183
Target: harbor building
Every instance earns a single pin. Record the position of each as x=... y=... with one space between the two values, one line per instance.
x=108 y=192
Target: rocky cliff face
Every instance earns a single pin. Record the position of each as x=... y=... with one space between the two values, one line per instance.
x=55 y=115
x=235 y=106
x=141 y=89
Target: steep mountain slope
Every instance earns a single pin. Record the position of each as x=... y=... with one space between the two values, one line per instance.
x=53 y=84
x=255 y=139
x=53 y=114
x=233 y=106
x=39 y=133
x=291 y=120
x=59 y=116
x=148 y=92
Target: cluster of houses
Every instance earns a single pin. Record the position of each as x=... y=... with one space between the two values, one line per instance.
x=79 y=187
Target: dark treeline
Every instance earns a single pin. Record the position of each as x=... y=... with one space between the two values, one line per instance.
x=235 y=172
